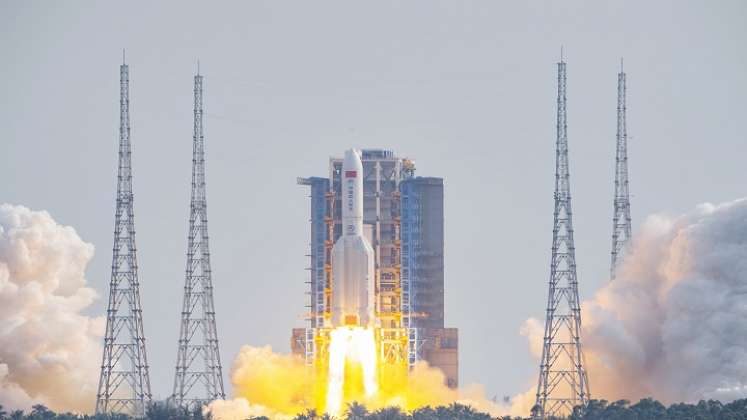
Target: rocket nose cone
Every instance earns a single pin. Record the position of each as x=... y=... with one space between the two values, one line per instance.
x=351 y=155
x=352 y=159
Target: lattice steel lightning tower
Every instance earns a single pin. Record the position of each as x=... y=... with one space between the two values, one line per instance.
x=199 y=377
x=621 y=225
x=124 y=385
x=563 y=382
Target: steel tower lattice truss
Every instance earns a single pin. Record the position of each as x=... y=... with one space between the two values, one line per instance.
x=621 y=225
x=124 y=385
x=199 y=377
x=563 y=382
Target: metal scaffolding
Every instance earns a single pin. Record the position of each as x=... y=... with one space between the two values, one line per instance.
x=403 y=221
x=621 y=225
x=563 y=382
x=198 y=357
x=124 y=384
x=410 y=236
x=382 y=174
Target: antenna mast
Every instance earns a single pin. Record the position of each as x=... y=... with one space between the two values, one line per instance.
x=198 y=358
x=563 y=383
x=621 y=224
x=124 y=384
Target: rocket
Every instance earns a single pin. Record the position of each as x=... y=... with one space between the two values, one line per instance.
x=353 y=284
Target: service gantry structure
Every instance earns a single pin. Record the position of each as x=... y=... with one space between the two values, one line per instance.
x=403 y=221
x=124 y=384
x=199 y=378
x=383 y=174
x=621 y=225
x=563 y=382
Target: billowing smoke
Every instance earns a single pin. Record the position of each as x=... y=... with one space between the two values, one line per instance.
x=280 y=386
x=277 y=385
x=49 y=351
x=670 y=326
x=673 y=324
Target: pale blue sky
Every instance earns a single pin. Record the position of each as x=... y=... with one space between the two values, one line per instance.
x=467 y=89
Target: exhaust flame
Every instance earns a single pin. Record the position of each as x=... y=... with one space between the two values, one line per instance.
x=352 y=365
x=281 y=386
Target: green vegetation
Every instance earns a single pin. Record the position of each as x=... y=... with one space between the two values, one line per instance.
x=646 y=409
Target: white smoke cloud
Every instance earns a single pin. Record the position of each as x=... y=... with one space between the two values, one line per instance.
x=673 y=324
x=49 y=352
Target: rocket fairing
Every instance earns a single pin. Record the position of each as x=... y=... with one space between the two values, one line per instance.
x=353 y=285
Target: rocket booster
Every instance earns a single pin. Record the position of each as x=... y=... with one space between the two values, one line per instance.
x=352 y=255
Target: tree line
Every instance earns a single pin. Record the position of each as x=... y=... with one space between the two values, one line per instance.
x=645 y=409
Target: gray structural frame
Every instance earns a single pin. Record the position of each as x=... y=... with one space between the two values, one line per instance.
x=319 y=268
x=563 y=382
x=409 y=236
x=621 y=222
x=422 y=261
x=198 y=356
x=124 y=384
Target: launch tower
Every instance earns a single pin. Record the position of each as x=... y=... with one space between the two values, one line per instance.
x=563 y=382
x=199 y=377
x=124 y=384
x=621 y=225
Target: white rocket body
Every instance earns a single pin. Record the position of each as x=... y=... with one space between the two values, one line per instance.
x=353 y=283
